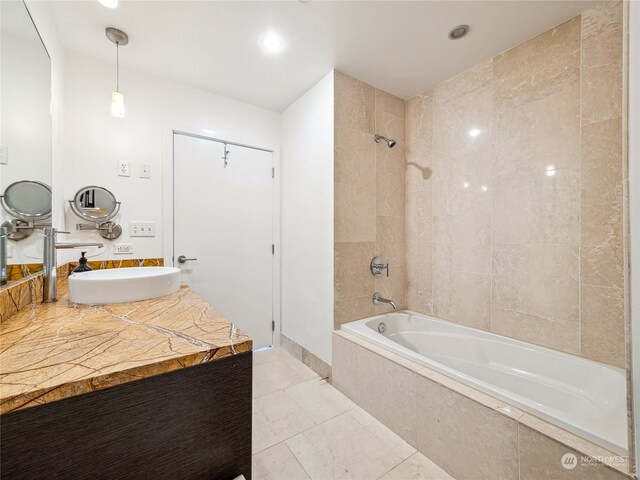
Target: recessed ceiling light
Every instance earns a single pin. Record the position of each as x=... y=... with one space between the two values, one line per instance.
x=458 y=32
x=474 y=132
x=272 y=43
x=109 y=3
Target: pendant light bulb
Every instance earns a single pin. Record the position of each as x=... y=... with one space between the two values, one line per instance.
x=117 y=104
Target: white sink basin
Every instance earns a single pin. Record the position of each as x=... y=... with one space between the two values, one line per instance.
x=119 y=285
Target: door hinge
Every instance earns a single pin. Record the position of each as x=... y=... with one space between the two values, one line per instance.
x=273 y=325
x=273 y=249
x=273 y=172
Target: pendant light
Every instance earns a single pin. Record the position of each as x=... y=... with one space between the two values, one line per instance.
x=117 y=98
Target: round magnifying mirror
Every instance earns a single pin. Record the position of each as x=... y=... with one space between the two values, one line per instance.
x=95 y=203
x=27 y=200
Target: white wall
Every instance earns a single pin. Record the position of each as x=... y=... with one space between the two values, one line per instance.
x=95 y=141
x=307 y=220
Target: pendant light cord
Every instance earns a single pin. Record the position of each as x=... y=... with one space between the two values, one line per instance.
x=117 y=67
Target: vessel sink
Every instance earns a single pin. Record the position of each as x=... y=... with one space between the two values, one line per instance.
x=119 y=285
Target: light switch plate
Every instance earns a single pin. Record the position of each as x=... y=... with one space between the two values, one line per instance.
x=142 y=229
x=123 y=168
x=123 y=248
x=145 y=170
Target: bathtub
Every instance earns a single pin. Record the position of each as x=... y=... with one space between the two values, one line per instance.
x=584 y=397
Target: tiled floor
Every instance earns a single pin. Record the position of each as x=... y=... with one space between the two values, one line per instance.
x=303 y=428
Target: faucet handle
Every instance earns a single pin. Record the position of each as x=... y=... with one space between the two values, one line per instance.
x=60 y=231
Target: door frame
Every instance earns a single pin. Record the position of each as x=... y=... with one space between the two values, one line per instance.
x=168 y=209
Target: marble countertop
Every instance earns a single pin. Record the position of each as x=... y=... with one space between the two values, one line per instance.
x=57 y=350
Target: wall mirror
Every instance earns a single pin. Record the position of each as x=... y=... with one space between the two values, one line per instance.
x=98 y=206
x=25 y=142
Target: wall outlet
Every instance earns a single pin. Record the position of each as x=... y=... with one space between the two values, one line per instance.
x=142 y=229
x=123 y=248
x=123 y=168
x=145 y=170
x=4 y=154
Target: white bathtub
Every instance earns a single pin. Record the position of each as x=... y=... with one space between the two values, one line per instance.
x=581 y=396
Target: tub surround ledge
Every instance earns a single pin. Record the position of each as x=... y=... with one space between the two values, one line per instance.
x=58 y=350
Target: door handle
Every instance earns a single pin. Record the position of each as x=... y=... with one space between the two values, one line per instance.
x=183 y=259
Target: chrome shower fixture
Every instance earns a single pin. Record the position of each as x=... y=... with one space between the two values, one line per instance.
x=390 y=143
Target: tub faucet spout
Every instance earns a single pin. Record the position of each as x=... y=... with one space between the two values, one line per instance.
x=377 y=299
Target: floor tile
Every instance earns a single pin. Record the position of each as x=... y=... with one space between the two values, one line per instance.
x=277 y=463
x=276 y=417
x=380 y=431
x=344 y=448
x=276 y=371
x=417 y=467
x=320 y=400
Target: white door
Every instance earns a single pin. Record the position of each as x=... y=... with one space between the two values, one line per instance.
x=223 y=219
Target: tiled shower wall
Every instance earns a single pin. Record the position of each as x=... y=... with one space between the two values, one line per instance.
x=369 y=198
x=514 y=192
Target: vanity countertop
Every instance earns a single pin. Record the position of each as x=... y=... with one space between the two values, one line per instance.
x=56 y=350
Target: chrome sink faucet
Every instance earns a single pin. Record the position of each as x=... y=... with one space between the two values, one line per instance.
x=377 y=299
x=50 y=264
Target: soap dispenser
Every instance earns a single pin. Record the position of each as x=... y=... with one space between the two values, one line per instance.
x=83 y=267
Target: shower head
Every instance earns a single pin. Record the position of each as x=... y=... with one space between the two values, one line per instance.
x=390 y=143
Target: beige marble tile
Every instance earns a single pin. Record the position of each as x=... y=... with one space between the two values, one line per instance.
x=537 y=279
x=463 y=242
x=289 y=346
x=541 y=457
x=421 y=302
x=602 y=34
x=355 y=186
x=322 y=368
x=602 y=331
x=354 y=103
x=344 y=367
x=463 y=297
x=396 y=444
x=418 y=192
x=320 y=400
x=474 y=78
x=388 y=392
x=601 y=93
x=263 y=357
x=548 y=332
x=537 y=208
x=534 y=136
x=349 y=309
x=276 y=417
x=463 y=154
x=465 y=438
x=419 y=275
x=352 y=272
x=417 y=467
x=278 y=374
x=390 y=241
x=342 y=448
x=393 y=287
x=389 y=105
x=602 y=247
x=419 y=117
x=277 y=463
x=390 y=170
x=601 y=168
x=546 y=64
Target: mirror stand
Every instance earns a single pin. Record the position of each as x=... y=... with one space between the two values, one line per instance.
x=107 y=230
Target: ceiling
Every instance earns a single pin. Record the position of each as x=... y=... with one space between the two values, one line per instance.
x=401 y=47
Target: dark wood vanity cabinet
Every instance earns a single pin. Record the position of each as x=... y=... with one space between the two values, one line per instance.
x=193 y=423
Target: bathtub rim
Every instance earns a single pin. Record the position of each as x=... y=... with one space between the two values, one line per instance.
x=612 y=460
